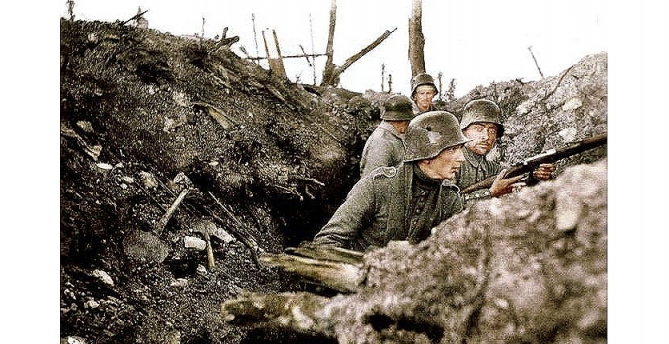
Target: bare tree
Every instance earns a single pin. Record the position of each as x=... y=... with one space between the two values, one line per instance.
x=416 y=38
x=331 y=72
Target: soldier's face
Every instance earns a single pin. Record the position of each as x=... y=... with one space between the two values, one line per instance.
x=445 y=165
x=483 y=137
x=423 y=98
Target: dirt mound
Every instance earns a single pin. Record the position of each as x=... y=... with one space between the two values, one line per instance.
x=265 y=161
x=526 y=268
x=160 y=134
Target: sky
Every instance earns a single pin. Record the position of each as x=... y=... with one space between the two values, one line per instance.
x=475 y=42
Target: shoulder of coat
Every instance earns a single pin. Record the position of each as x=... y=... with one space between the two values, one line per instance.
x=384 y=172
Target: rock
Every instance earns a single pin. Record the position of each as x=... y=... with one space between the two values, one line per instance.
x=103 y=167
x=103 y=276
x=145 y=247
x=196 y=243
x=148 y=180
x=72 y=340
x=92 y=304
x=85 y=126
x=223 y=235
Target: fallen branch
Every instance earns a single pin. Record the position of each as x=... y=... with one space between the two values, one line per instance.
x=92 y=151
x=556 y=85
x=134 y=17
x=160 y=225
x=335 y=268
x=330 y=78
x=299 y=311
x=334 y=254
x=307 y=179
x=225 y=41
x=219 y=115
x=290 y=191
x=245 y=238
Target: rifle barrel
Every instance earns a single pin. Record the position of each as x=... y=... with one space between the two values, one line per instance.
x=548 y=156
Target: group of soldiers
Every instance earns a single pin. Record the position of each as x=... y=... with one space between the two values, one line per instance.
x=413 y=167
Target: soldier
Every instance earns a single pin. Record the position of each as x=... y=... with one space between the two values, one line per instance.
x=423 y=90
x=481 y=123
x=403 y=202
x=385 y=147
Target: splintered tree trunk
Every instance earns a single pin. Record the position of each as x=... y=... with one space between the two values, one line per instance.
x=416 y=39
x=329 y=66
x=332 y=78
x=330 y=72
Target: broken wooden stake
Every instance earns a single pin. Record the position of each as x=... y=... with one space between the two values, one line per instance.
x=300 y=311
x=224 y=41
x=180 y=178
x=134 y=17
x=255 y=35
x=206 y=228
x=535 y=61
x=333 y=267
x=243 y=237
x=273 y=54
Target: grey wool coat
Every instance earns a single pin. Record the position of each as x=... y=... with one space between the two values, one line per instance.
x=384 y=147
x=379 y=209
x=474 y=169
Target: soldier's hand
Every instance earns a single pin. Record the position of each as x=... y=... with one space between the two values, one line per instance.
x=503 y=186
x=544 y=171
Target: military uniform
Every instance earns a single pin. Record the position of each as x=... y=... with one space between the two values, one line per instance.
x=385 y=147
x=391 y=203
x=475 y=169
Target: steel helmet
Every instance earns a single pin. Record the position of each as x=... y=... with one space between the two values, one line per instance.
x=422 y=79
x=397 y=108
x=482 y=110
x=430 y=133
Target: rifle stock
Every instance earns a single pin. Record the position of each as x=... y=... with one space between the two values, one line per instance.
x=548 y=156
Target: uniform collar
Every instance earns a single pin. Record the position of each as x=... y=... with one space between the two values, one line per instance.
x=422 y=180
x=389 y=127
x=473 y=158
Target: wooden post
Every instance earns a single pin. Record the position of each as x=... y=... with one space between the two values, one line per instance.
x=274 y=54
x=390 y=83
x=313 y=49
x=440 y=87
x=383 y=77
x=329 y=66
x=535 y=61
x=255 y=35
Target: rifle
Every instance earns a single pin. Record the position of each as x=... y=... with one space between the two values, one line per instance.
x=548 y=156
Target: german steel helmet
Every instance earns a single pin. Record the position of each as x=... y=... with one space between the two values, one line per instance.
x=482 y=110
x=397 y=108
x=422 y=79
x=430 y=133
